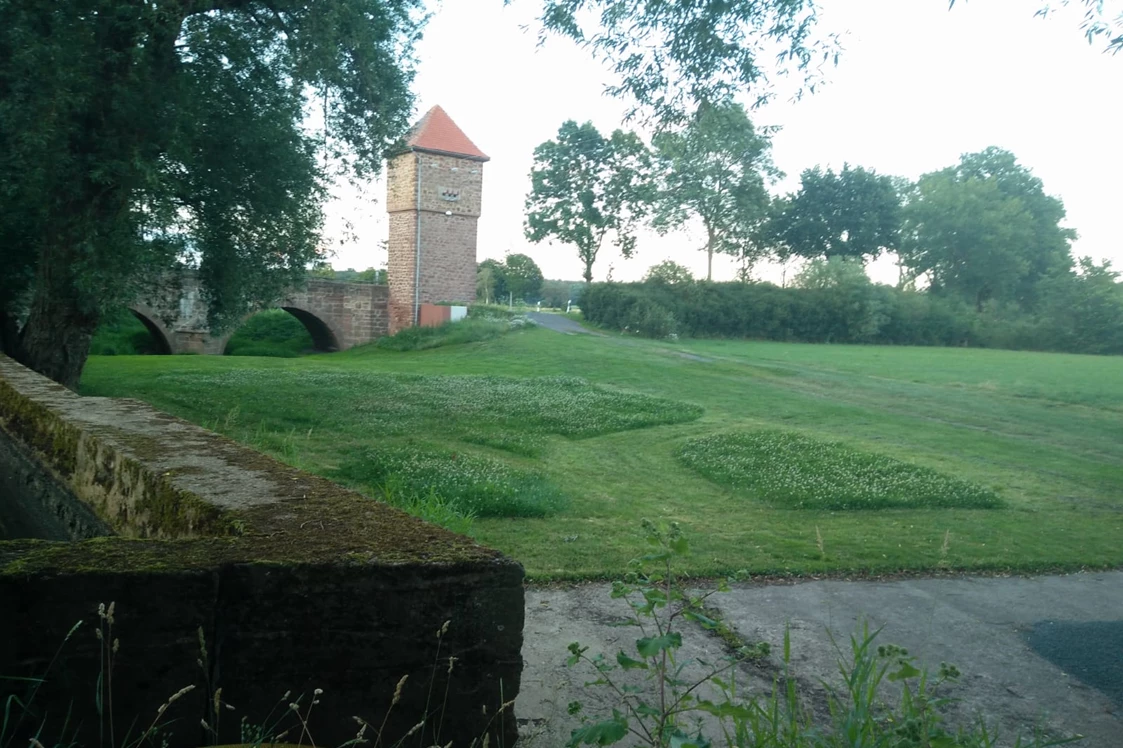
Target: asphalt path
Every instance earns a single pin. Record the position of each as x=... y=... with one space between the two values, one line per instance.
x=558 y=323
x=1034 y=652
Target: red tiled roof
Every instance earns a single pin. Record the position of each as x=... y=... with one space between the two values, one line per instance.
x=437 y=133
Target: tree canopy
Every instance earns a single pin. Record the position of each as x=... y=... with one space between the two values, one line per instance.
x=985 y=229
x=715 y=168
x=586 y=189
x=855 y=213
x=523 y=277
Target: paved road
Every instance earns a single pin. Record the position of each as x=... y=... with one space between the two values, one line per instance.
x=559 y=323
x=1033 y=651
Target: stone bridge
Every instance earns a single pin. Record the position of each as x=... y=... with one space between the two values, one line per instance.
x=337 y=315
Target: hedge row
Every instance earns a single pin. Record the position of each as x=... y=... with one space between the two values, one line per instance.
x=864 y=313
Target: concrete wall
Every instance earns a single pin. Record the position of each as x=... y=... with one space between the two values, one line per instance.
x=35 y=504
x=294 y=582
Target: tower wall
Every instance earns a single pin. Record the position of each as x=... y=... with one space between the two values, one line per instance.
x=451 y=193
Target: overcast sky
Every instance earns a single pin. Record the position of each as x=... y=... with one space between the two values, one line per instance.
x=917 y=85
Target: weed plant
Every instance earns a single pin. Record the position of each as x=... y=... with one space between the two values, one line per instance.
x=789 y=470
x=25 y=722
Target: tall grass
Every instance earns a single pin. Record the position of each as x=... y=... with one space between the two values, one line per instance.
x=473 y=485
x=470 y=330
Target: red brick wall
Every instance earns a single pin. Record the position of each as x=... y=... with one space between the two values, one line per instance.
x=355 y=313
x=448 y=231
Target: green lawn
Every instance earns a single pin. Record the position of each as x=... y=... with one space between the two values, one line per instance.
x=599 y=432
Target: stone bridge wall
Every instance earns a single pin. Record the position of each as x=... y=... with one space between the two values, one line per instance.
x=338 y=315
x=295 y=584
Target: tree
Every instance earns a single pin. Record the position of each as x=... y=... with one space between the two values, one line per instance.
x=586 y=188
x=492 y=274
x=1083 y=312
x=138 y=136
x=967 y=236
x=485 y=284
x=350 y=275
x=985 y=229
x=558 y=293
x=715 y=169
x=524 y=278
x=668 y=273
x=855 y=213
x=1049 y=251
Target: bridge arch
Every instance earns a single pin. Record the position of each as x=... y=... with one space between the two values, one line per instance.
x=324 y=338
x=160 y=334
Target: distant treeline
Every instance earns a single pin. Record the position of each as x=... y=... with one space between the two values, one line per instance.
x=1075 y=313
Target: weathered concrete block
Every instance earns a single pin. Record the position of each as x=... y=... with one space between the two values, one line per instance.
x=294 y=582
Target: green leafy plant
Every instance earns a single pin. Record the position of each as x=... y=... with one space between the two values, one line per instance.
x=658 y=712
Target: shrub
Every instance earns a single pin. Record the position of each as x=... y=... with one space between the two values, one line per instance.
x=649 y=319
x=792 y=471
x=1081 y=314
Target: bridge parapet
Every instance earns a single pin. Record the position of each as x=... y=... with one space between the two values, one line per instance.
x=294 y=582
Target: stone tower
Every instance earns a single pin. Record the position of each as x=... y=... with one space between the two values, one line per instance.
x=434 y=189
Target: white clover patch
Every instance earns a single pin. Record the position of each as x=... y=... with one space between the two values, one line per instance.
x=793 y=471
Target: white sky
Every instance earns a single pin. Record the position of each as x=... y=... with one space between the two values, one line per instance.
x=916 y=86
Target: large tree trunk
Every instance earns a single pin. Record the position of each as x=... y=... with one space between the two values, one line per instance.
x=55 y=341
